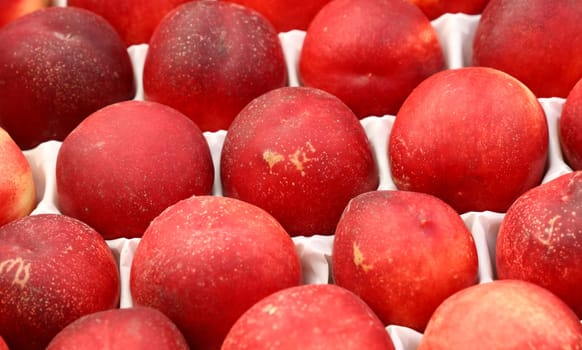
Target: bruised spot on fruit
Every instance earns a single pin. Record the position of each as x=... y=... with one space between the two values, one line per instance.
x=20 y=269
x=359 y=259
x=272 y=158
x=270 y=309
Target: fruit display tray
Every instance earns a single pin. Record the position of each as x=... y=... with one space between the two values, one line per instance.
x=456 y=33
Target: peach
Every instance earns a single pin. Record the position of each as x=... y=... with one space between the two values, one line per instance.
x=53 y=270
x=17 y=188
x=57 y=66
x=300 y=154
x=370 y=53
x=135 y=21
x=475 y=137
x=503 y=315
x=309 y=317
x=540 y=239
x=535 y=41
x=127 y=162
x=403 y=253
x=208 y=59
x=13 y=9
x=206 y=260
x=130 y=329
x=436 y=8
x=286 y=15
x=570 y=128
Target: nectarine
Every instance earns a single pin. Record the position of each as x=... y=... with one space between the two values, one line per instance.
x=370 y=53
x=570 y=128
x=127 y=162
x=208 y=59
x=503 y=315
x=535 y=41
x=436 y=8
x=475 y=137
x=53 y=270
x=13 y=9
x=17 y=188
x=57 y=66
x=540 y=239
x=403 y=253
x=309 y=317
x=300 y=154
x=207 y=259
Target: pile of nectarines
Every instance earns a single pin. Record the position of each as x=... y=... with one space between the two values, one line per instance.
x=241 y=174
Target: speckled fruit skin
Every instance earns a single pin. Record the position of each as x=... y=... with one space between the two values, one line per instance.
x=13 y=9
x=570 y=128
x=503 y=315
x=17 y=188
x=136 y=328
x=208 y=59
x=310 y=317
x=403 y=253
x=207 y=259
x=127 y=162
x=286 y=15
x=300 y=154
x=354 y=50
x=522 y=37
x=53 y=270
x=135 y=21
x=436 y=8
x=474 y=137
x=57 y=66
x=540 y=239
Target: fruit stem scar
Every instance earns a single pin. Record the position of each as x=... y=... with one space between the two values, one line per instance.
x=359 y=259
x=22 y=273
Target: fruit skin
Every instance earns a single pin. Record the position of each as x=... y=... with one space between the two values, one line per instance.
x=507 y=314
x=475 y=137
x=286 y=15
x=313 y=316
x=570 y=128
x=300 y=154
x=206 y=260
x=540 y=239
x=47 y=91
x=372 y=255
x=135 y=21
x=13 y=9
x=17 y=188
x=53 y=270
x=537 y=42
x=132 y=329
x=208 y=59
x=354 y=50
x=127 y=162
x=436 y=8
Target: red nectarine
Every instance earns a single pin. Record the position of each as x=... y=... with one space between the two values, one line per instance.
x=370 y=53
x=536 y=41
x=570 y=128
x=503 y=315
x=17 y=188
x=207 y=259
x=137 y=328
x=126 y=163
x=475 y=137
x=540 y=239
x=53 y=270
x=13 y=9
x=436 y=8
x=403 y=253
x=300 y=154
x=57 y=66
x=309 y=317
x=208 y=59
